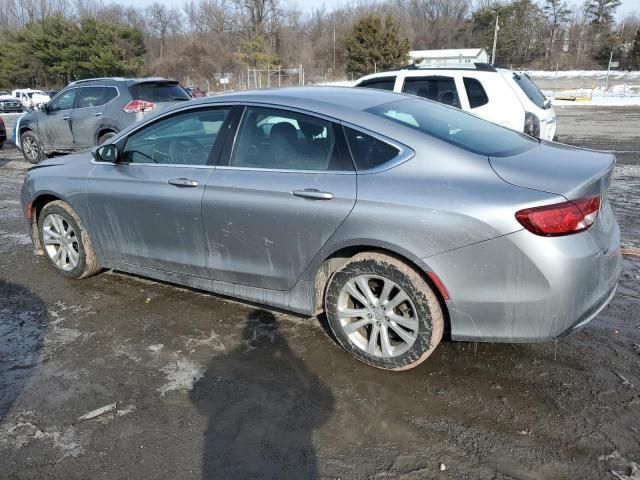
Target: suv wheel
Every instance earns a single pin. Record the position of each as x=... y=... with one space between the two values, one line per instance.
x=383 y=312
x=65 y=241
x=105 y=136
x=32 y=148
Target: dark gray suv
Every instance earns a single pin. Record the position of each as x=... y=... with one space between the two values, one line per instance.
x=89 y=112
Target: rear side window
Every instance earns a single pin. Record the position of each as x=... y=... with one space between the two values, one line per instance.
x=438 y=88
x=475 y=92
x=455 y=127
x=158 y=92
x=95 y=96
x=384 y=83
x=270 y=138
x=530 y=89
x=369 y=152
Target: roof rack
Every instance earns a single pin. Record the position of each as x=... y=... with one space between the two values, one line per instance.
x=119 y=79
x=484 y=67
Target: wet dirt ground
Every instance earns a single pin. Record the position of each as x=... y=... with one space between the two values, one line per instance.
x=211 y=388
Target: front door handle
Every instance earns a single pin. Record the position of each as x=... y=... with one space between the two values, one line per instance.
x=183 y=182
x=313 y=194
x=97 y=114
x=66 y=117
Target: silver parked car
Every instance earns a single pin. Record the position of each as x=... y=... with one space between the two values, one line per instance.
x=398 y=217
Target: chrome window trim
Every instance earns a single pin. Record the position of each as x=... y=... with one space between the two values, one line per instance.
x=150 y=164
x=405 y=153
x=288 y=170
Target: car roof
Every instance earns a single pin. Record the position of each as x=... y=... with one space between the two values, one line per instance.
x=330 y=101
x=128 y=81
x=427 y=70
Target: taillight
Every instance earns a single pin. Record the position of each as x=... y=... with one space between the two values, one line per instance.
x=560 y=218
x=531 y=124
x=135 y=106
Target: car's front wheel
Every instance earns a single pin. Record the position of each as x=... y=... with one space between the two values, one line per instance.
x=32 y=148
x=383 y=312
x=65 y=241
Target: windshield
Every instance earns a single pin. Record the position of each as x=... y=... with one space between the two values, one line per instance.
x=158 y=92
x=455 y=127
x=531 y=90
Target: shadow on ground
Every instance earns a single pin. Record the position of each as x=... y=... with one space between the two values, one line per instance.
x=254 y=397
x=23 y=326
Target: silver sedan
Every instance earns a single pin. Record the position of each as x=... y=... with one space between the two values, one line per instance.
x=400 y=219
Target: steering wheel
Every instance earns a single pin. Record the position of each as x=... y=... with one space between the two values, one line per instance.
x=184 y=149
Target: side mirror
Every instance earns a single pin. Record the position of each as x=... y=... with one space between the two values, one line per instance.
x=45 y=107
x=106 y=153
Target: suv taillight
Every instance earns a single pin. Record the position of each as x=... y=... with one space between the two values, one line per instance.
x=531 y=124
x=135 y=106
x=560 y=218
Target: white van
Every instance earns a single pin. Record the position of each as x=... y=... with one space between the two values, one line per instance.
x=31 y=99
x=499 y=95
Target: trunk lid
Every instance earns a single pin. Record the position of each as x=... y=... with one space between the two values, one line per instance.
x=568 y=171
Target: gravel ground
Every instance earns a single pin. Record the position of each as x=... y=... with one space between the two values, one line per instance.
x=203 y=381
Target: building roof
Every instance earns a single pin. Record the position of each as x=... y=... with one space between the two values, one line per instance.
x=446 y=53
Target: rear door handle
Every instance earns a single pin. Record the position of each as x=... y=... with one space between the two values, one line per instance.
x=313 y=194
x=66 y=117
x=183 y=182
x=97 y=114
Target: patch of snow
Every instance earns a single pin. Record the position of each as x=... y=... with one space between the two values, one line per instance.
x=180 y=375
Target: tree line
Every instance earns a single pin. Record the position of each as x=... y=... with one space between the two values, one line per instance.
x=52 y=42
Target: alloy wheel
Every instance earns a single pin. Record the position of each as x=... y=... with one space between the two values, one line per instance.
x=30 y=147
x=61 y=242
x=378 y=316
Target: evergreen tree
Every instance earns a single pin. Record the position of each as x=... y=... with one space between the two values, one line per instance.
x=373 y=45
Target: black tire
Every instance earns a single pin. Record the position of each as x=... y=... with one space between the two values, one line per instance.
x=104 y=137
x=87 y=264
x=1 y=145
x=430 y=321
x=32 y=148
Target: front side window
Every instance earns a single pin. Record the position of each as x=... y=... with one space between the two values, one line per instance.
x=436 y=88
x=455 y=127
x=285 y=140
x=369 y=152
x=475 y=93
x=95 y=96
x=186 y=138
x=385 y=83
x=64 y=101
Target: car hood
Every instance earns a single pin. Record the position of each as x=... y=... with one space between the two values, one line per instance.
x=555 y=168
x=83 y=156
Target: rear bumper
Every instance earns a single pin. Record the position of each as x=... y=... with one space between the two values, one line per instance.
x=525 y=288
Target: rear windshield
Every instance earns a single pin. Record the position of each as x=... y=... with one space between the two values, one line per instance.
x=531 y=90
x=158 y=92
x=455 y=127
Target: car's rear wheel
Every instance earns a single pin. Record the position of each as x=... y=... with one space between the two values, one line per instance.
x=383 y=312
x=32 y=148
x=105 y=136
x=65 y=241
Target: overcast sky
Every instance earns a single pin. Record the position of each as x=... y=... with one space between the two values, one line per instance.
x=627 y=6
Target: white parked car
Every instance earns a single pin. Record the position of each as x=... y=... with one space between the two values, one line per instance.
x=499 y=95
x=31 y=99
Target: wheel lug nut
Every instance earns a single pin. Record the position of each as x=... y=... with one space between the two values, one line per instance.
x=369 y=315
